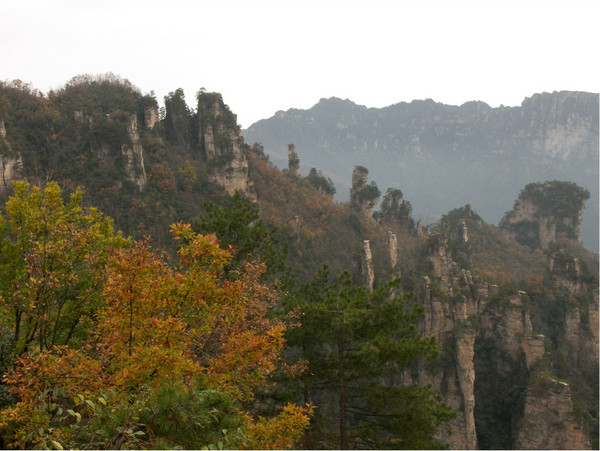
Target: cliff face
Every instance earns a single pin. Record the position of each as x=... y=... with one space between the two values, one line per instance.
x=10 y=161
x=133 y=156
x=549 y=419
x=473 y=322
x=221 y=140
x=368 y=272
x=122 y=148
x=450 y=323
x=561 y=125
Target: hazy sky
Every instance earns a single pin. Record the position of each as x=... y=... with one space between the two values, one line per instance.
x=265 y=56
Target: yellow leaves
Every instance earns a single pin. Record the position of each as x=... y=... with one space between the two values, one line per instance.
x=56 y=253
x=200 y=252
x=245 y=361
x=154 y=324
x=154 y=366
x=281 y=432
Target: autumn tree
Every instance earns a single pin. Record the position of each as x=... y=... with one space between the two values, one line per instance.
x=52 y=258
x=165 y=331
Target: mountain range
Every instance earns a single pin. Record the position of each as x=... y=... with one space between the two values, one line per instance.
x=444 y=156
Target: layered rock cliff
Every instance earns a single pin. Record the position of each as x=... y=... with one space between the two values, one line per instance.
x=10 y=161
x=549 y=419
x=133 y=155
x=561 y=125
x=223 y=146
x=485 y=333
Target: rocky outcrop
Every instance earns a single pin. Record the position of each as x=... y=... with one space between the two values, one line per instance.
x=594 y=319
x=363 y=196
x=549 y=420
x=580 y=340
x=221 y=140
x=151 y=117
x=566 y=271
x=448 y=317
x=510 y=321
x=133 y=156
x=393 y=253
x=546 y=212
x=10 y=161
x=368 y=272
x=394 y=208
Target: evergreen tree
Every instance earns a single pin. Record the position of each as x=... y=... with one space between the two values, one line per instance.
x=237 y=223
x=357 y=345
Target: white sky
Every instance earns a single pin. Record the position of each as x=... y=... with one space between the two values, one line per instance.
x=265 y=56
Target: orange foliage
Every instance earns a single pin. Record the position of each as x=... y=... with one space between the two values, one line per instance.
x=280 y=432
x=38 y=381
x=162 y=325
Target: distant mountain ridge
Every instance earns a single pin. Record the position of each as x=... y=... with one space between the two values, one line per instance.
x=444 y=156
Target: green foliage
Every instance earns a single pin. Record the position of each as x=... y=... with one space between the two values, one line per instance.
x=453 y=219
x=237 y=223
x=395 y=208
x=317 y=229
x=556 y=199
x=293 y=160
x=168 y=417
x=178 y=128
x=52 y=260
x=411 y=414
x=100 y=94
x=318 y=181
x=355 y=343
x=367 y=194
x=194 y=418
x=527 y=233
x=558 y=202
x=258 y=150
x=213 y=111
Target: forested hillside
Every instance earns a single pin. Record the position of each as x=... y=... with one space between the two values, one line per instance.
x=164 y=285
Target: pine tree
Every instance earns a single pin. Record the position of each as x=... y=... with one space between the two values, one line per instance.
x=357 y=345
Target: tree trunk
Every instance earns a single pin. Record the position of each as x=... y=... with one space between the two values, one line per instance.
x=342 y=395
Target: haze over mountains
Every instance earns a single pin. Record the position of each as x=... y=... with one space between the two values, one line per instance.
x=445 y=156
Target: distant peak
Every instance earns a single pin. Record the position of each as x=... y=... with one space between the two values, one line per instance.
x=336 y=100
